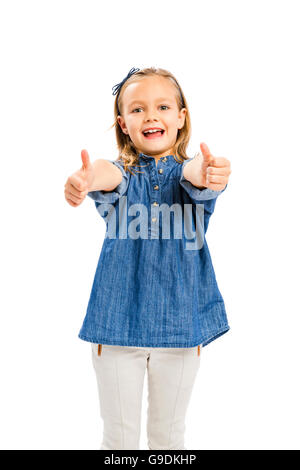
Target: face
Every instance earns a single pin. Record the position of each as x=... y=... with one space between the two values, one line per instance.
x=151 y=103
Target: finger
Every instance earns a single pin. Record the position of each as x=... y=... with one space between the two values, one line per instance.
x=78 y=183
x=85 y=160
x=220 y=162
x=216 y=179
x=206 y=159
x=71 y=202
x=75 y=192
x=72 y=197
x=207 y=155
x=75 y=197
x=223 y=170
x=216 y=186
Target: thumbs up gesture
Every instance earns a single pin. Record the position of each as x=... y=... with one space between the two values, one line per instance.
x=79 y=183
x=214 y=171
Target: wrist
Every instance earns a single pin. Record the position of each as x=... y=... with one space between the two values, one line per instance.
x=192 y=172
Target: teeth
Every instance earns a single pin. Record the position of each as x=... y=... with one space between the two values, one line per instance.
x=151 y=132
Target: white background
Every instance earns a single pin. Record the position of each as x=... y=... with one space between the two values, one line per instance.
x=238 y=65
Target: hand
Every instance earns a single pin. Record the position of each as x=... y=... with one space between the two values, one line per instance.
x=79 y=183
x=214 y=171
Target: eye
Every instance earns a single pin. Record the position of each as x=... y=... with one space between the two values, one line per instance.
x=161 y=106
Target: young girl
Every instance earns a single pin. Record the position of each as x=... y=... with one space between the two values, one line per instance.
x=154 y=302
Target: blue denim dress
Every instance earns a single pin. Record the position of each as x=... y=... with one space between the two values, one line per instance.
x=155 y=284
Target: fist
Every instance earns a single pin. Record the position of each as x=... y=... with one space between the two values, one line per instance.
x=79 y=183
x=214 y=171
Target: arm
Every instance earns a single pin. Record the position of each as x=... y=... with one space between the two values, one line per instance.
x=110 y=182
x=103 y=181
x=204 y=177
x=190 y=183
x=107 y=176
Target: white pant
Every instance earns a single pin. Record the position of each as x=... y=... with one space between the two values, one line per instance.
x=120 y=372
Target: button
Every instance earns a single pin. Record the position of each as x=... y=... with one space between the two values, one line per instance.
x=160 y=170
x=155 y=203
x=165 y=159
x=154 y=219
x=156 y=187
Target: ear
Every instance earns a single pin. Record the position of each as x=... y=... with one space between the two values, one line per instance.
x=122 y=124
x=181 y=117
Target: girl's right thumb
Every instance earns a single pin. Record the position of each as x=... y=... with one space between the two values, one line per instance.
x=85 y=159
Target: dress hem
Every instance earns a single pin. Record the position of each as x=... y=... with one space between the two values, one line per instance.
x=204 y=341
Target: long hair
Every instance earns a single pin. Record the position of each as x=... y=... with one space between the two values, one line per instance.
x=127 y=152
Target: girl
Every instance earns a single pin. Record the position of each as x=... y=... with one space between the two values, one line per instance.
x=154 y=302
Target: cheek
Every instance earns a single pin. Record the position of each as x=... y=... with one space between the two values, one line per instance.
x=172 y=130
x=133 y=126
x=171 y=123
x=134 y=132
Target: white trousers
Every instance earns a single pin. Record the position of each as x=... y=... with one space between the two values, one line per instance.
x=120 y=372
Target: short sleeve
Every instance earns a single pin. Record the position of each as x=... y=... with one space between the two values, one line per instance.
x=197 y=194
x=112 y=196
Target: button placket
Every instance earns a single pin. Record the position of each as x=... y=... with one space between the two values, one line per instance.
x=154 y=176
x=154 y=208
x=155 y=205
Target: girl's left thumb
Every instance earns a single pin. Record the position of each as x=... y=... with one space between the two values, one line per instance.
x=205 y=152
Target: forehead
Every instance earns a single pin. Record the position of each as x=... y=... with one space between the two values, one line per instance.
x=149 y=89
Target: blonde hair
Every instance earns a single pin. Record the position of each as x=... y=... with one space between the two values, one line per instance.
x=127 y=151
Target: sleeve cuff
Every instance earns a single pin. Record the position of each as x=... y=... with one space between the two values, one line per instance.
x=195 y=193
x=112 y=196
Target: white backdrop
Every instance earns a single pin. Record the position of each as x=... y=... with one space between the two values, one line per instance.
x=238 y=65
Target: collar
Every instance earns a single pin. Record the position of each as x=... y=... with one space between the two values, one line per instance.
x=167 y=158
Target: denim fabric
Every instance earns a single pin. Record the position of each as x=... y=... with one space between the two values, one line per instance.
x=152 y=289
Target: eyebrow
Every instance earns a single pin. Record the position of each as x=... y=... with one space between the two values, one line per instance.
x=158 y=99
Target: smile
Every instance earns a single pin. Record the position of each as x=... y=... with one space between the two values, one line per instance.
x=153 y=135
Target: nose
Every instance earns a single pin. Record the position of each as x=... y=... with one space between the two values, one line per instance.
x=151 y=116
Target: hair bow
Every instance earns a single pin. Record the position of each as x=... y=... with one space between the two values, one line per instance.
x=116 y=88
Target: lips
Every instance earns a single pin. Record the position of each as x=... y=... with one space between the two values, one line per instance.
x=153 y=135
